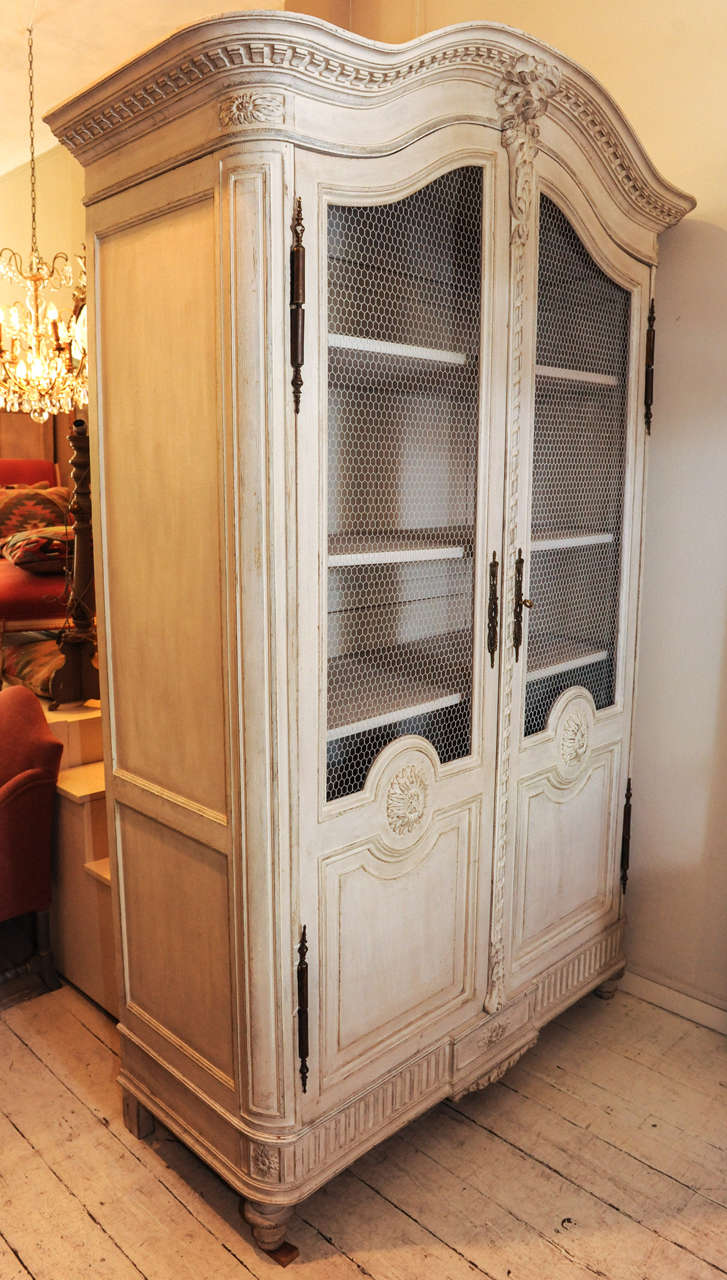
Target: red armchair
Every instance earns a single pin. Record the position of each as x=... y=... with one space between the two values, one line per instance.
x=29 y=761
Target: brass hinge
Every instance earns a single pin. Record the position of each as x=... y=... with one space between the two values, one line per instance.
x=649 y=377
x=297 y=303
x=302 y=975
x=626 y=838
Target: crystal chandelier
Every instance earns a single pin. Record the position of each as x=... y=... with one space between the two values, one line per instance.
x=43 y=355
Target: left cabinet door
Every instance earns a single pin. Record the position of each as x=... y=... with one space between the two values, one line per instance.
x=398 y=520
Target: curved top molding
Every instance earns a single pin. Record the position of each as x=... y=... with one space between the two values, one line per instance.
x=230 y=55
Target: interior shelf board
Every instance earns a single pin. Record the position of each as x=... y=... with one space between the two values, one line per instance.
x=401 y=555
x=562 y=540
x=576 y=375
x=393 y=717
x=387 y=685
x=348 y=342
x=572 y=662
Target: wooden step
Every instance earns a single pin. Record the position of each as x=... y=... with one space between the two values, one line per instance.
x=81 y=922
x=78 y=727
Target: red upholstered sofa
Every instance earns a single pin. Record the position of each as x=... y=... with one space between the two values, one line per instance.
x=29 y=600
x=29 y=761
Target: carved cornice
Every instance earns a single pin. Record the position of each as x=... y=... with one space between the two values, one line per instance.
x=226 y=58
x=523 y=95
x=585 y=113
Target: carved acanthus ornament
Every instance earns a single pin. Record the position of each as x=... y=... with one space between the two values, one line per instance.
x=252 y=108
x=524 y=94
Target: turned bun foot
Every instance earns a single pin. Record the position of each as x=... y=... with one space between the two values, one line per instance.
x=268 y=1222
x=608 y=989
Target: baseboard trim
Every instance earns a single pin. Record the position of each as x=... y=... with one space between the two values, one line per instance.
x=707 y=1015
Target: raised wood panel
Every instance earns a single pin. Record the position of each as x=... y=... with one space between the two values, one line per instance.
x=159 y=443
x=563 y=853
x=398 y=937
x=177 y=957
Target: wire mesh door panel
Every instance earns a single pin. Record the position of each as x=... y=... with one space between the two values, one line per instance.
x=578 y=472
x=403 y=413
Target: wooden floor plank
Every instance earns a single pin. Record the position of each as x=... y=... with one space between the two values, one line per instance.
x=384 y=1242
x=114 y=1187
x=44 y=1224
x=53 y=1030
x=596 y=1164
x=602 y=1153
x=646 y=1091
x=11 y=1266
x=585 y=1227
x=671 y=1128
x=473 y=1224
x=680 y=1050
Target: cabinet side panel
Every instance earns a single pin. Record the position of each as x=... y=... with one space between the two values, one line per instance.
x=177 y=960
x=160 y=438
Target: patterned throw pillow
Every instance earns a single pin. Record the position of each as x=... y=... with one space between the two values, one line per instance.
x=29 y=658
x=32 y=509
x=45 y=550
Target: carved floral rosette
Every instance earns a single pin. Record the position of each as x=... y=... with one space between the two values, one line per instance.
x=405 y=791
x=573 y=718
x=252 y=109
x=265 y=1161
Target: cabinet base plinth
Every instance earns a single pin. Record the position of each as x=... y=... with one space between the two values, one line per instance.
x=137 y=1118
x=268 y=1222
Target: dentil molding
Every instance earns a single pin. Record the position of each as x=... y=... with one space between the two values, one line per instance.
x=246 y=62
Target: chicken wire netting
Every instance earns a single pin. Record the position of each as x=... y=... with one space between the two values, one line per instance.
x=403 y=410
x=578 y=476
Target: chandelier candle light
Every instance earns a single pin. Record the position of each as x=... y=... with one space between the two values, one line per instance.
x=43 y=365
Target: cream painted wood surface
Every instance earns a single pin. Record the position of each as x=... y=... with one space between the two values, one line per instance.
x=601 y=1153
x=444 y=924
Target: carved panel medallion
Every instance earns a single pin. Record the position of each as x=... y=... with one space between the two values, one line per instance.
x=573 y=733
x=406 y=800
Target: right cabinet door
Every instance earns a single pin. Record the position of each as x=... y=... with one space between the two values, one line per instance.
x=578 y=576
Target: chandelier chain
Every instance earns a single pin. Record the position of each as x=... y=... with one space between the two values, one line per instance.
x=31 y=115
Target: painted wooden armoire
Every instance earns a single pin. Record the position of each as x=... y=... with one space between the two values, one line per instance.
x=372 y=358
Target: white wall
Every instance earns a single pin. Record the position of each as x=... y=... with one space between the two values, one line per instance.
x=677 y=898
x=61 y=216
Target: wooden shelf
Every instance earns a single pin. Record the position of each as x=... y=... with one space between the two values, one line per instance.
x=347 y=342
x=386 y=686
x=576 y=375
x=398 y=546
x=562 y=654
x=99 y=870
x=561 y=541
